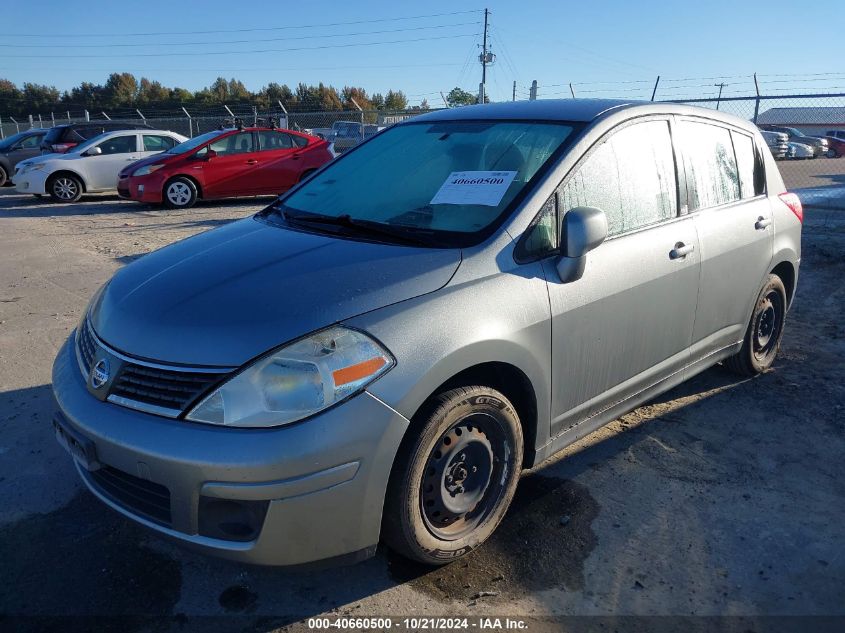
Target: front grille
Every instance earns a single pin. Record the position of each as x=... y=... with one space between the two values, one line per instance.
x=139 y=496
x=86 y=345
x=161 y=387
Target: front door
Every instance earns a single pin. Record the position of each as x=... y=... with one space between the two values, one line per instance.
x=232 y=172
x=117 y=152
x=628 y=322
x=27 y=148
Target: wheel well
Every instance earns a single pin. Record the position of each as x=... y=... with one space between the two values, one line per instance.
x=513 y=384
x=186 y=177
x=786 y=272
x=67 y=172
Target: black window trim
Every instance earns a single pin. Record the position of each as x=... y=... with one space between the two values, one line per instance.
x=680 y=189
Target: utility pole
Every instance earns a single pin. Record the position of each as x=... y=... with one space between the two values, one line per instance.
x=719 y=98
x=532 y=95
x=483 y=88
x=514 y=90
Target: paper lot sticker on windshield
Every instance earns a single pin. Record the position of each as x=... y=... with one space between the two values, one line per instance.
x=474 y=187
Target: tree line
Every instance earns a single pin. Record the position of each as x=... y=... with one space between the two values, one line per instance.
x=124 y=91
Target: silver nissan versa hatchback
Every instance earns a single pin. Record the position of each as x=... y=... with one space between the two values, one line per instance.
x=379 y=353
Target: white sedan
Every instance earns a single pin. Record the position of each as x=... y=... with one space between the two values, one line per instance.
x=92 y=166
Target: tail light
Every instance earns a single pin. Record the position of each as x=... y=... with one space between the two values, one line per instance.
x=61 y=148
x=794 y=203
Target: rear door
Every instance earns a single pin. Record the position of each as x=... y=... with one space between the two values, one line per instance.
x=733 y=218
x=232 y=172
x=118 y=151
x=628 y=322
x=278 y=164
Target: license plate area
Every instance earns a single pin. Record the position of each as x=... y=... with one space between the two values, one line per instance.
x=80 y=447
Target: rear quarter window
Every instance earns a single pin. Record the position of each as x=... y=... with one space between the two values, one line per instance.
x=748 y=165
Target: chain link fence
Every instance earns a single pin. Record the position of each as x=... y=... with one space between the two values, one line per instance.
x=814 y=169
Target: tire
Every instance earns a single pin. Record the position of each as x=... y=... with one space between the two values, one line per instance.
x=180 y=193
x=4 y=177
x=454 y=478
x=831 y=153
x=765 y=331
x=64 y=188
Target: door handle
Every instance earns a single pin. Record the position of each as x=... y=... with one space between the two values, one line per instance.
x=681 y=250
x=762 y=223
x=252 y=161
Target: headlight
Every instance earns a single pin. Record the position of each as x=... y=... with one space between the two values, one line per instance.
x=297 y=380
x=146 y=170
x=33 y=167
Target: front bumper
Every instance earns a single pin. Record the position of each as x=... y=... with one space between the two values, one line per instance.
x=323 y=480
x=31 y=181
x=141 y=189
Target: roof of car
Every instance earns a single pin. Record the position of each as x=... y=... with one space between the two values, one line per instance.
x=579 y=110
x=541 y=109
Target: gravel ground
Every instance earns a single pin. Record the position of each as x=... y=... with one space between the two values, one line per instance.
x=723 y=497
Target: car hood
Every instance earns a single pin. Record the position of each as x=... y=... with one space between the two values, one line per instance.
x=226 y=296
x=149 y=160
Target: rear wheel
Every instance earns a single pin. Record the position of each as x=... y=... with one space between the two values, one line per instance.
x=454 y=480
x=4 y=177
x=765 y=330
x=180 y=193
x=64 y=188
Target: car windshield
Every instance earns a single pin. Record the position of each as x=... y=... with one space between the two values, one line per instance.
x=192 y=144
x=449 y=179
x=78 y=149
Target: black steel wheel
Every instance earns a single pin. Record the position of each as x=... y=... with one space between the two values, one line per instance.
x=765 y=331
x=455 y=477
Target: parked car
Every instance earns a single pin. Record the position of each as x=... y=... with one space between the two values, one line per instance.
x=838 y=134
x=92 y=166
x=17 y=148
x=778 y=143
x=381 y=351
x=818 y=144
x=799 y=151
x=62 y=138
x=225 y=164
x=836 y=146
x=347 y=134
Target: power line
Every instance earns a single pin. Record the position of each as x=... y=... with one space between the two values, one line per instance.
x=226 y=70
x=252 y=30
x=266 y=50
x=252 y=41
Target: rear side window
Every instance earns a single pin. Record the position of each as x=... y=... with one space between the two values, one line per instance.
x=156 y=143
x=299 y=141
x=748 y=166
x=710 y=164
x=270 y=140
x=240 y=143
x=631 y=177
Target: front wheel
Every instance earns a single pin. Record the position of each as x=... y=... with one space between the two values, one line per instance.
x=831 y=153
x=64 y=188
x=4 y=177
x=180 y=193
x=765 y=330
x=454 y=479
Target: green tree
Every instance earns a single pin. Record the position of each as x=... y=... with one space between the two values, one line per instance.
x=152 y=92
x=378 y=101
x=395 y=100
x=359 y=95
x=181 y=96
x=120 y=90
x=458 y=97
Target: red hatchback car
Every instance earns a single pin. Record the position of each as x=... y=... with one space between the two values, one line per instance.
x=224 y=164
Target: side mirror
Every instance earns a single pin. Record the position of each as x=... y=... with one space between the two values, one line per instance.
x=209 y=154
x=94 y=151
x=582 y=230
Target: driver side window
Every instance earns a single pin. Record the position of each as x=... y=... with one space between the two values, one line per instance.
x=119 y=145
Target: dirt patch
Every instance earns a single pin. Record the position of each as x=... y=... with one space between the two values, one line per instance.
x=542 y=543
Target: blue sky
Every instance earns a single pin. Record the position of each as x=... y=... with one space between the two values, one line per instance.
x=620 y=42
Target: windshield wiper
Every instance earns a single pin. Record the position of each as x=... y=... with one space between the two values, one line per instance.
x=362 y=227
